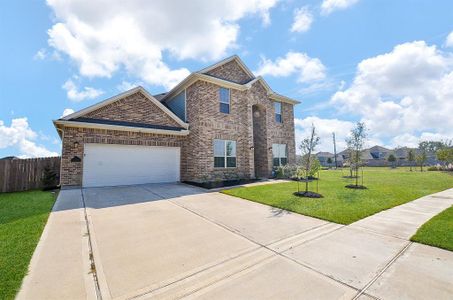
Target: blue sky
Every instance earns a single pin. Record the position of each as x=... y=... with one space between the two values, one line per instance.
x=388 y=63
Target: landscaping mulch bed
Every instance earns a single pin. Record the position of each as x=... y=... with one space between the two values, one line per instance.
x=224 y=183
x=356 y=187
x=308 y=194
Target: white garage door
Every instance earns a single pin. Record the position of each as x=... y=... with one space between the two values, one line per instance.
x=109 y=165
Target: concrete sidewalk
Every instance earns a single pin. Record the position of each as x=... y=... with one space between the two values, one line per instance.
x=60 y=266
x=172 y=241
x=404 y=220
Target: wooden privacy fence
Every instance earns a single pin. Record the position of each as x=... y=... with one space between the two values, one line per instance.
x=26 y=174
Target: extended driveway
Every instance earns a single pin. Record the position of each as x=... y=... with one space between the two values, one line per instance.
x=169 y=241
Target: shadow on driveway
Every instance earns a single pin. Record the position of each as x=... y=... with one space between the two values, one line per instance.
x=104 y=197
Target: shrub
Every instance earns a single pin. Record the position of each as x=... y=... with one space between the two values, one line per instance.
x=286 y=172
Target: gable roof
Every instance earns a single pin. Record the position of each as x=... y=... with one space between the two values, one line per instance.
x=201 y=75
x=113 y=99
x=378 y=148
x=225 y=61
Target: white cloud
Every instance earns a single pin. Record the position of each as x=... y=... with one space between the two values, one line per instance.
x=449 y=40
x=306 y=68
x=67 y=111
x=329 y=6
x=126 y=85
x=21 y=136
x=74 y=94
x=324 y=129
x=105 y=36
x=404 y=95
x=40 y=55
x=302 y=20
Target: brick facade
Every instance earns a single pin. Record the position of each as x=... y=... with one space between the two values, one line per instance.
x=206 y=123
x=134 y=108
x=230 y=71
x=74 y=140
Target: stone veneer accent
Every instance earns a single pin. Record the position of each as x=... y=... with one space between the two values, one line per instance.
x=206 y=123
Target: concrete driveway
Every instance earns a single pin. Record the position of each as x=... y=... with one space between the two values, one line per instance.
x=172 y=241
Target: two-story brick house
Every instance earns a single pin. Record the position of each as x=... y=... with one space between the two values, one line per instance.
x=219 y=123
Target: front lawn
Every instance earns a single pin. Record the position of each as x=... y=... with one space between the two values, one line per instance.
x=386 y=188
x=438 y=231
x=23 y=216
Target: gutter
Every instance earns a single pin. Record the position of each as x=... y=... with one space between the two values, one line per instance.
x=63 y=123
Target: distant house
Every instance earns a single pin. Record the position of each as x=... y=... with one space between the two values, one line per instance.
x=377 y=156
x=323 y=158
x=9 y=158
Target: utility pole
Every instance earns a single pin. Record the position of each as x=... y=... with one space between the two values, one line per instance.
x=334 y=150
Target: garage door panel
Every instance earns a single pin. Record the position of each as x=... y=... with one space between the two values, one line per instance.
x=108 y=165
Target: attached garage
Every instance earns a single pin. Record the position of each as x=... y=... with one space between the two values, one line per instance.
x=110 y=165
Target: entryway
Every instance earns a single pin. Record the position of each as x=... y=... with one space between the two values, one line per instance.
x=260 y=141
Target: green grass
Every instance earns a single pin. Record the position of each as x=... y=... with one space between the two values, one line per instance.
x=386 y=188
x=23 y=216
x=438 y=231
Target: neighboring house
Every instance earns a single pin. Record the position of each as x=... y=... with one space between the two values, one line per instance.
x=9 y=158
x=219 y=123
x=377 y=156
x=323 y=158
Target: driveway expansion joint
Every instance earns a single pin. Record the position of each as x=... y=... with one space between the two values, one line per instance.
x=90 y=246
x=272 y=250
x=379 y=274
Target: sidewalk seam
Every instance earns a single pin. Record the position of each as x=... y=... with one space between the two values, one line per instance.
x=388 y=265
x=274 y=251
x=90 y=246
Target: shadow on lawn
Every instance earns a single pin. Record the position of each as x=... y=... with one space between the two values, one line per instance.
x=289 y=205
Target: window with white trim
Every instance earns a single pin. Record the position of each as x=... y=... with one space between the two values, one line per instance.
x=278 y=112
x=224 y=97
x=224 y=154
x=279 y=155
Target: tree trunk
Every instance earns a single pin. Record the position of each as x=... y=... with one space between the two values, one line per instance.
x=357 y=175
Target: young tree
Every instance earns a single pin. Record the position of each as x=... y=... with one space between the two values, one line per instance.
x=329 y=160
x=421 y=156
x=356 y=142
x=411 y=158
x=49 y=179
x=307 y=147
x=434 y=146
x=392 y=159
x=445 y=155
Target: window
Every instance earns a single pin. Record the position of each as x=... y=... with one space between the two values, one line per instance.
x=224 y=154
x=224 y=96
x=278 y=112
x=279 y=155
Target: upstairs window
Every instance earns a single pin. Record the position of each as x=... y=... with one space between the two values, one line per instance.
x=224 y=96
x=278 y=112
x=279 y=155
x=224 y=154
